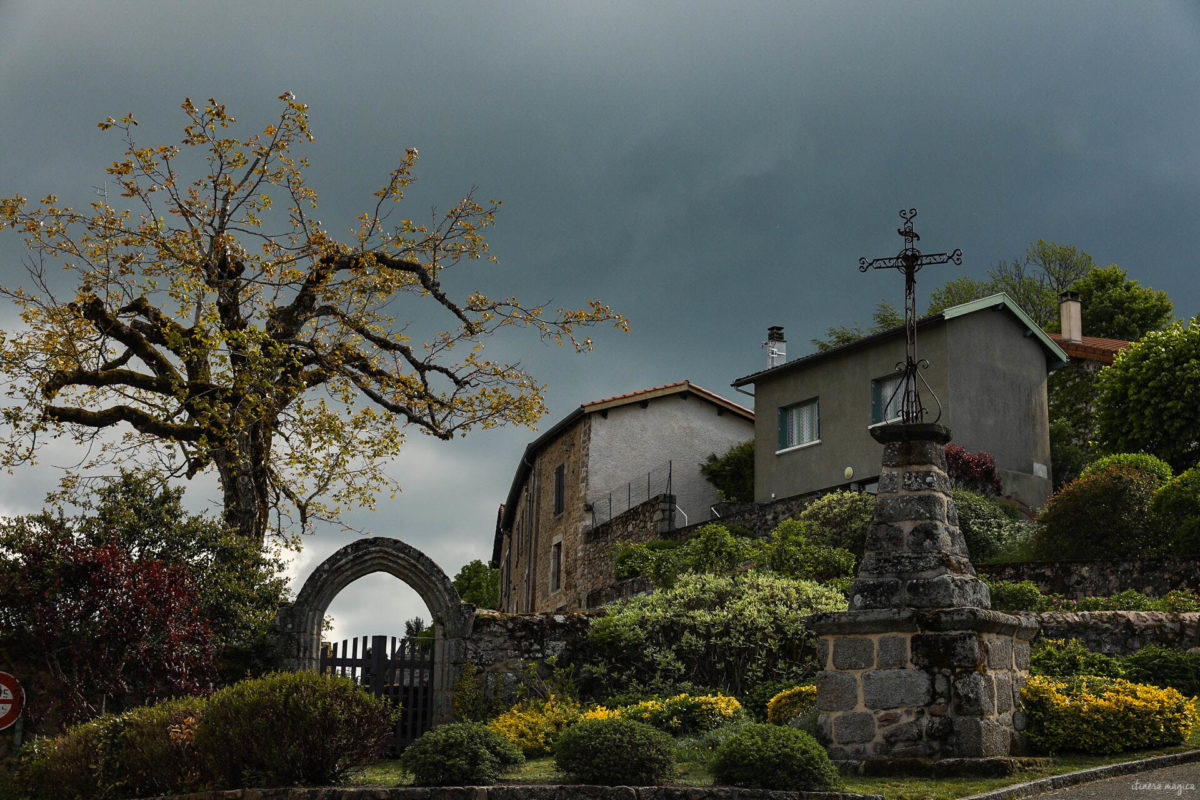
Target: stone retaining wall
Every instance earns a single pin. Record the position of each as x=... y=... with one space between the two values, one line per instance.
x=1122 y=632
x=500 y=645
x=531 y=792
x=1102 y=578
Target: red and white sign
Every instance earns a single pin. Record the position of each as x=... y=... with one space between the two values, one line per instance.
x=12 y=698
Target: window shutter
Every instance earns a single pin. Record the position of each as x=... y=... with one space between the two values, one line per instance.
x=783 y=437
x=877 y=401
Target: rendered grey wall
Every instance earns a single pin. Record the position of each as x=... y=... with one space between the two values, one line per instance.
x=677 y=428
x=995 y=400
x=843 y=385
x=998 y=399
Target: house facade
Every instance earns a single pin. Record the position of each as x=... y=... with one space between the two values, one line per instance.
x=988 y=364
x=602 y=459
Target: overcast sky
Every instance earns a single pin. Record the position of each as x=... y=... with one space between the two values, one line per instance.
x=707 y=168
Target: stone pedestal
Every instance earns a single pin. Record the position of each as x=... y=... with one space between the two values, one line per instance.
x=920 y=667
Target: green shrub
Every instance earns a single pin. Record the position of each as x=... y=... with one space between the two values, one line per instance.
x=67 y=767
x=1103 y=715
x=1067 y=658
x=726 y=632
x=1162 y=666
x=534 y=725
x=791 y=702
x=1151 y=465
x=613 y=752
x=459 y=754
x=632 y=560
x=291 y=728
x=990 y=528
x=794 y=552
x=1103 y=514
x=152 y=750
x=774 y=757
x=1017 y=596
x=1179 y=600
x=733 y=473
x=842 y=519
x=755 y=699
x=1176 y=508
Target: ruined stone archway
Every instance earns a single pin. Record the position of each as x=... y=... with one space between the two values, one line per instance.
x=299 y=624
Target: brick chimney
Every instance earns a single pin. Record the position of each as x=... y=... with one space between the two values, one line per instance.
x=776 y=346
x=1071 y=314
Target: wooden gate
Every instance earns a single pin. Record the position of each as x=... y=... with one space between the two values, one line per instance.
x=399 y=669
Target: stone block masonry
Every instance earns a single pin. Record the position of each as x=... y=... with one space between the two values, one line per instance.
x=921 y=683
x=921 y=667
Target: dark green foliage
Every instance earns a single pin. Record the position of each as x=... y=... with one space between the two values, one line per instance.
x=1176 y=507
x=1102 y=514
x=756 y=698
x=1066 y=658
x=1115 y=307
x=1025 y=596
x=459 y=754
x=841 y=519
x=1162 y=666
x=478 y=583
x=67 y=767
x=1071 y=395
x=291 y=728
x=729 y=633
x=1148 y=401
x=616 y=751
x=732 y=473
x=764 y=756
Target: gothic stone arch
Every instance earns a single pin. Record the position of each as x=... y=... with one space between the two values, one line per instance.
x=299 y=624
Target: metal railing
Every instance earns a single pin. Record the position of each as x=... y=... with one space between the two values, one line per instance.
x=617 y=501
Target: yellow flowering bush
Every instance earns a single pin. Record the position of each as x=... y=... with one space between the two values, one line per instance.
x=681 y=715
x=1103 y=715
x=790 y=702
x=535 y=725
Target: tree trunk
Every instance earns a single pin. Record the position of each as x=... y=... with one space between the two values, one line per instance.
x=245 y=487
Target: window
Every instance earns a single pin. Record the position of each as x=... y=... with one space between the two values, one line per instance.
x=560 y=488
x=556 y=567
x=799 y=424
x=887 y=397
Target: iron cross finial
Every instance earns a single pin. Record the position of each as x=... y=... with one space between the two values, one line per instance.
x=909 y=261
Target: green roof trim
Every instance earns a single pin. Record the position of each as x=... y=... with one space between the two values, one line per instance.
x=1056 y=356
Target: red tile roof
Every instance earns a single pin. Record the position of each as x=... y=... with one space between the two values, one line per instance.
x=1092 y=348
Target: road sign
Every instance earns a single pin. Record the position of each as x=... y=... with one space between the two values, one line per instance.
x=12 y=698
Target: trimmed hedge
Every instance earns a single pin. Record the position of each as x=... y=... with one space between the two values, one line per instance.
x=291 y=729
x=1105 y=513
x=460 y=754
x=1103 y=715
x=767 y=756
x=613 y=752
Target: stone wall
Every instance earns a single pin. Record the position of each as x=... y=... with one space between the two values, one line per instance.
x=1102 y=578
x=642 y=523
x=517 y=792
x=500 y=645
x=1122 y=632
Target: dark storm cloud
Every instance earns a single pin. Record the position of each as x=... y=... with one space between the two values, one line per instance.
x=707 y=168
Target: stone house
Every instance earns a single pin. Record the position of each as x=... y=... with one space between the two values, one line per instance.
x=602 y=459
x=988 y=365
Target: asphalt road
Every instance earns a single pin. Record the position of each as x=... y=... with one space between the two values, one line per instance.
x=1169 y=782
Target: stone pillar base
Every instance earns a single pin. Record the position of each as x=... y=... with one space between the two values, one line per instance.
x=921 y=683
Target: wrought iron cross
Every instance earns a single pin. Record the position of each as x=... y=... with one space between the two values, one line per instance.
x=909 y=261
